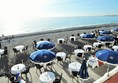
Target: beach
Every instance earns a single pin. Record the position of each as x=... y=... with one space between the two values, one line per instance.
x=27 y=39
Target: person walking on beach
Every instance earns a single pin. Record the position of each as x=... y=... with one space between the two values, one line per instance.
x=34 y=44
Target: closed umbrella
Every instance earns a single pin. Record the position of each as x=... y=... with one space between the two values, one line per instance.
x=83 y=73
x=45 y=45
x=42 y=56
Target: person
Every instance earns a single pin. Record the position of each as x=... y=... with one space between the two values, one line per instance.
x=0 y=45
x=34 y=44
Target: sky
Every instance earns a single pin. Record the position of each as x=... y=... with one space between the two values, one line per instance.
x=15 y=12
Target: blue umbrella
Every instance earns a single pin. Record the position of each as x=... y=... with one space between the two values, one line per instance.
x=105 y=32
x=88 y=36
x=45 y=45
x=83 y=73
x=105 y=38
x=42 y=56
x=115 y=29
x=109 y=56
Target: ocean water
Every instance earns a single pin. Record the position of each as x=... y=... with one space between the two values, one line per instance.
x=46 y=24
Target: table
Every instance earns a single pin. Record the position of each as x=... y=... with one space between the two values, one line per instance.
x=87 y=46
x=74 y=66
x=115 y=48
x=81 y=35
x=47 y=77
x=18 y=68
x=20 y=48
x=60 y=40
x=96 y=44
x=72 y=38
x=1 y=52
x=62 y=55
x=78 y=51
x=93 y=62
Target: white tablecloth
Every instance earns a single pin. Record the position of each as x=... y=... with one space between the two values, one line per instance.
x=78 y=51
x=61 y=54
x=47 y=77
x=81 y=35
x=72 y=37
x=96 y=44
x=18 y=68
x=115 y=48
x=87 y=46
x=74 y=66
x=93 y=62
x=20 y=48
x=60 y=39
x=1 y=52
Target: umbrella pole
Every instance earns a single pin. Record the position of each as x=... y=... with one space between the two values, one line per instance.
x=108 y=70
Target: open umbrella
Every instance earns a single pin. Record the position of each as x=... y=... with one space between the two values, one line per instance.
x=105 y=32
x=105 y=38
x=42 y=56
x=108 y=56
x=88 y=36
x=83 y=73
x=115 y=29
x=45 y=45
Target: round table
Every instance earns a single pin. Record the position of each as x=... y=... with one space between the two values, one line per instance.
x=61 y=54
x=96 y=44
x=74 y=66
x=47 y=77
x=87 y=46
x=20 y=48
x=60 y=40
x=18 y=68
x=72 y=38
x=115 y=48
x=78 y=51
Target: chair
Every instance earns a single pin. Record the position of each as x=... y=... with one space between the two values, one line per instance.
x=25 y=49
x=79 y=54
x=5 y=53
x=38 y=66
x=59 y=59
x=74 y=74
x=15 y=50
x=49 y=65
x=88 y=49
x=58 y=79
x=26 y=71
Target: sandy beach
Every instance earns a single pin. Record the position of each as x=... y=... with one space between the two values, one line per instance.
x=27 y=39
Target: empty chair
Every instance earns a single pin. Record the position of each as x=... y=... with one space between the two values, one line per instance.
x=25 y=49
x=58 y=79
x=79 y=54
x=15 y=50
x=100 y=45
x=59 y=58
x=60 y=41
x=5 y=52
x=88 y=49
x=26 y=71
x=38 y=66
x=74 y=74
x=49 y=65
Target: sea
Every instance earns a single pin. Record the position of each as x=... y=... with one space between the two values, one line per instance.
x=54 y=23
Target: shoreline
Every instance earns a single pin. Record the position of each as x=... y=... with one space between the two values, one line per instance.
x=99 y=26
